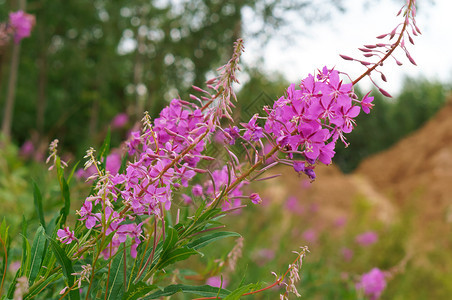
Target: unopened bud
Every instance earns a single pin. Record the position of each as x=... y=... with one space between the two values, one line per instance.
x=384 y=93
x=365 y=50
x=410 y=58
x=346 y=57
x=255 y=198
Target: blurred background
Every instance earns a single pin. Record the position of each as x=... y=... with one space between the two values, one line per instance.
x=90 y=66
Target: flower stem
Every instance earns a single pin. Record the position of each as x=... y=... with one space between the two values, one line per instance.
x=389 y=53
x=277 y=282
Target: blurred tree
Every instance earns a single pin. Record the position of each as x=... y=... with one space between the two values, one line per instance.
x=88 y=60
x=391 y=119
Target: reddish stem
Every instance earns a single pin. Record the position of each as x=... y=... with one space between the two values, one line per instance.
x=277 y=282
x=394 y=46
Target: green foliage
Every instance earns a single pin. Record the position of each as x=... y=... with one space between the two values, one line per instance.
x=38 y=204
x=116 y=281
x=209 y=238
x=88 y=60
x=37 y=254
x=66 y=265
x=203 y=291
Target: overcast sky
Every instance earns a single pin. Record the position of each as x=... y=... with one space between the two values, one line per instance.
x=343 y=33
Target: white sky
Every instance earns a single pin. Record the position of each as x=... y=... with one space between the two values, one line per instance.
x=359 y=25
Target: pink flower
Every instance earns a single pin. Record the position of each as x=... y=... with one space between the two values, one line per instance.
x=66 y=236
x=366 y=103
x=253 y=131
x=339 y=222
x=215 y=281
x=255 y=198
x=197 y=190
x=263 y=256
x=367 y=238
x=27 y=149
x=113 y=163
x=234 y=134
x=372 y=283
x=187 y=199
x=293 y=205
x=22 y=23
x=310 y=235
x=120 y=120
x=347 y=254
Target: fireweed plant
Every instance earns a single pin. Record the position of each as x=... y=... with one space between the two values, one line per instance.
x=18 y=27
x=166 y=202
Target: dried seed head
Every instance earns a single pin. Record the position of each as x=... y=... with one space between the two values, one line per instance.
x=235 y=254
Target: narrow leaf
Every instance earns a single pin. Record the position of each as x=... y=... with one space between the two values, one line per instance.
x=116 y=280
x=138 y=290
x=170 y=240
x=26 y=249
x=66 y=265
x=37 y=254
x=176 y=255
x=207 y=239
x=12 y=285
x=39 y=287
x=64 y=212
x=72 y=172
x=236 y=294
x=38 y=204
x=104 y=149
x=203 y=291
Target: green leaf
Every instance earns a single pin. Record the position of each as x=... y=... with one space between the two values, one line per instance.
x=37 y=254
x=72 y=172
x=104 y=149
x=64 y=212
x=4 y=231
x=4 y=249
x=203 y=291
x=207 y=239
x=12 y=285
x=66 y=265
x=237 y=293
x=138 y=290
x=37 y=288
x=116 y=279
x=175 y=255
x=170 y=240
x=26 y=249
x=38 y=204
x=209 y=214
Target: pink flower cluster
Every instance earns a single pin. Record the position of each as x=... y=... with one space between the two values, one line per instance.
x=310 y=120
x=164 y=158
x=372 y=283
x=306 y=122
x=22 y=24
x=367 y=238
